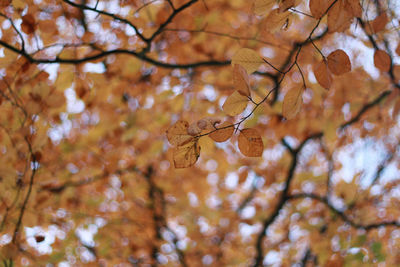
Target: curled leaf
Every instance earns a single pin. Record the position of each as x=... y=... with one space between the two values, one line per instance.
x=250 y=143
x=322 y=74
x=208 y=123
x=248 y=59
x=177 y=134
x=241 y=80
x=339 y=62
x=224 y=132
x=382 y=60
x=292 y=102
x=194 y=129
x=187 y=154
x=235 y=104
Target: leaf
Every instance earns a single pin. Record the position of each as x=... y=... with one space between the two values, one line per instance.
x=339 y=18
x=235 y=104
x=354 y=8
x=323 y=74
x=248 y=59
x=292 y=102
x=276 y=21
x=208 y=123
x=223 y=133
x=177 y=134
x=241 y=80
x=339 y=62
x=382 y=60
x=319 y=7
x=398 y=49
x=377 y=24
x=194 y=129
x=187 y=154
x=28 y=24
x=263 y=7
x=286 y=4
x=250 y=143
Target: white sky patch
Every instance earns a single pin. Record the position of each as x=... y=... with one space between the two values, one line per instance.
x=94 y=67
x=74 y=105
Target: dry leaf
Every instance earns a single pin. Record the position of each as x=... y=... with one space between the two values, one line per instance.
x=250 y=143
x=263 y=7
x=339 y=18
x=241 y=80
x=319 y=7
x=193 y=129
x=235 y=104
x=382 y=60
x=187 y=154
x=208 y=123
x=276 y=21
x=292 y=102
x=248 y=59
x=223 y=133
x=323 y=74
x=378 y=24
x=177 y=134
x=339 y=62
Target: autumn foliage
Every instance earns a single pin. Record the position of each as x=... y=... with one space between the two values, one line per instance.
x=199 y=133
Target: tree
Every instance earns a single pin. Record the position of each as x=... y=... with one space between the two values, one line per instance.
x=199 y=133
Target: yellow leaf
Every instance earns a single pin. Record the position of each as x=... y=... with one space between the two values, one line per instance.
x=241 y=80
x=250 y=143
x=382 y=60
x=292 y=102
x=263 y=7
x=177 y=134
x=235 y=104
x=248 y=59
x=187 y=154
x=339 y=62
x=224 y=133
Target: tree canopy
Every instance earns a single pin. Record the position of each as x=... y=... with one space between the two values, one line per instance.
x=199 y=133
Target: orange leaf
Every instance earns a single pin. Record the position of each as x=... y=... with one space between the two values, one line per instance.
x=224 y=133
x=276 y=21
x=187 y=154
x=339 y=18
x=208 y=123
x=250 y=143
x=248 y=59
x=263 y=7
x=339 y=62
x=241 y=80
x=382 y=60
x=235 y=104
x=177 y=134
x=354 y=7
x=292 y=102
x=322 y=74
x=378 y=24
x=319 y=7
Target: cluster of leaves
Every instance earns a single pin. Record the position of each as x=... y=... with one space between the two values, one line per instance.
x=104 y=106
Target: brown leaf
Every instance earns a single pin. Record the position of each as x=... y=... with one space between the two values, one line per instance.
x=241 y=80
x=187 y=154
x=276 y=21
x=177 y=134
x=208 y=123
x=28 y=24
x=323 y=74
x=224 y=132
x=377 y=24
x=292 y=102
x=39 y=238
x=339 y=62
x=319 y=7
x=235 y=104
x=250 y=143
x=194 y=129
x=339 y=18
x=354 y=8
x=382 y=60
